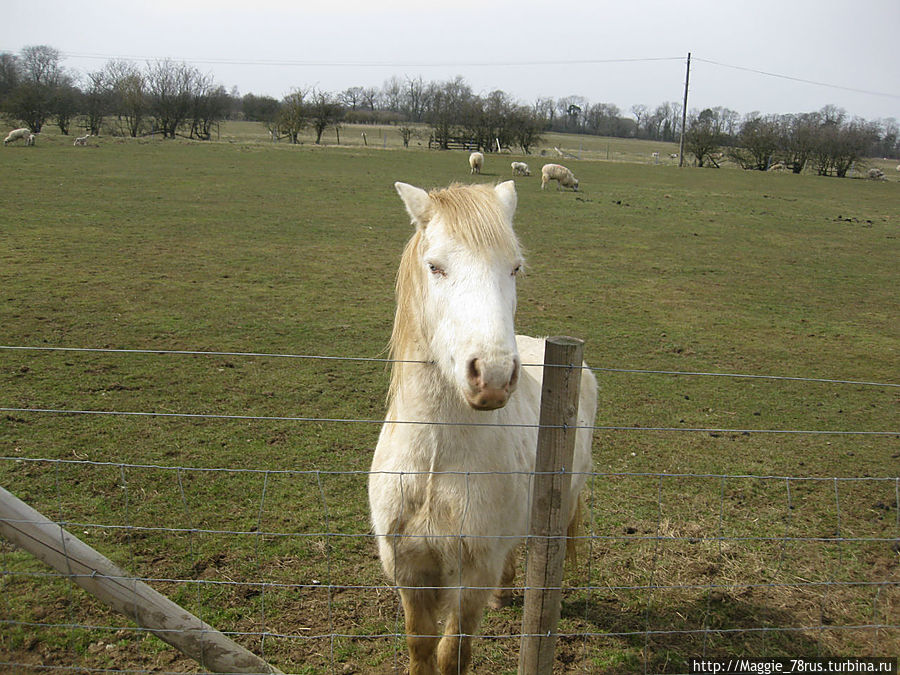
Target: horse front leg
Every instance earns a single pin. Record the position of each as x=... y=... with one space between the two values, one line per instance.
x=502 y=596
x=420 y=607
x=455 y=648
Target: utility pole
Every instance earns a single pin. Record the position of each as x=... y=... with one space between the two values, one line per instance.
x=687 y=79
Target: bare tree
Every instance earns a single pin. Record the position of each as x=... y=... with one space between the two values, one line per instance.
x=605 y=119
x=129 y=98
x=527 y=126
x=392 y=94
x=41 y=65
x=351 y=98
x=369 y=98
x=704 y=136
x=30 y=104
x=324 y=111
x=10 y=74
x=414 y=99
x=39 y=75
x=641 y=114
x=95 y=101
x=797 y=139
x=832 y=115
x=757 y=142
x=665 y=121
x=209 y=105
x=729 y=121
x=446 y=104
x=888 y=144
x=571 y=111
x=545 y=108
x=170 y=87
x=65 y=100
x=839 y=145
x=294 y=114
x=257 y=108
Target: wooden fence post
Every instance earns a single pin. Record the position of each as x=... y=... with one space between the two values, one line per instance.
x=550 y=504
x=70 y=556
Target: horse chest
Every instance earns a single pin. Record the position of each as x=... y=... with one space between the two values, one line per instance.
x=459 y=485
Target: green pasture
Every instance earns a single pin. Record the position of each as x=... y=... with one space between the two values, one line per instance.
x=779 y=544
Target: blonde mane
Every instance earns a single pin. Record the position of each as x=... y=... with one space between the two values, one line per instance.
x=472 y=215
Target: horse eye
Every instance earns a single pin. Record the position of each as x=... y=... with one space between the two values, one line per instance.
x=434 y=269
x=517 y=269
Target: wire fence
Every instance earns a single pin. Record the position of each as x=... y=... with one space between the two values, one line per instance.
x=672 y=564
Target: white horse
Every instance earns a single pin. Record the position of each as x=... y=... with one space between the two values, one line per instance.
x=450 y=487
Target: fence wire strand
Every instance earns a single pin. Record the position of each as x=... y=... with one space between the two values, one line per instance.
x=380 y=422
x=369 y=359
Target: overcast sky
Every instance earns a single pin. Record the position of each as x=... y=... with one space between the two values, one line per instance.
x=627 y=52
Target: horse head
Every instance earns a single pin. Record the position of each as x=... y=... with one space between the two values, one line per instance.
x=456 y=289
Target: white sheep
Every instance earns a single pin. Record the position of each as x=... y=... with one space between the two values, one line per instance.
x=898 y=167
x=655 y=157
x=476 y=161
x=82 y=140
x=560 y=174
x=875 y=174
x=16 y=134
x=520 y=169
x=778 y=166
x=673 y=155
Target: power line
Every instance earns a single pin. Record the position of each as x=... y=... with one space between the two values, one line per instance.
x=374 y=64
x=796 y=79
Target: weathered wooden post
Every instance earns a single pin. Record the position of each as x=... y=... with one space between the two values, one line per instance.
x=550 y=504
x=70 y=556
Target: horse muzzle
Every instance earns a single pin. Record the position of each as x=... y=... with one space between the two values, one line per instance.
x=490 y=386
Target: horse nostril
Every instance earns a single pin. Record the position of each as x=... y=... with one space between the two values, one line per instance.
x=514 y=378
x=474 y=373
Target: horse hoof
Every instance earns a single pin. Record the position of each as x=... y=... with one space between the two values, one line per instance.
x=500 y=600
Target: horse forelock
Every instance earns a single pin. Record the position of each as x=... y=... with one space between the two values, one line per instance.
x=472 y=216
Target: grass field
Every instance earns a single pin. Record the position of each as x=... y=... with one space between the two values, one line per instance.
x=718 y=542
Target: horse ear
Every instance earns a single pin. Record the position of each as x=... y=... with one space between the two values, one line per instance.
x=416 y=202
x=506 y=193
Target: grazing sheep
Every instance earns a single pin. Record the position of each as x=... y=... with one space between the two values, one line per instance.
x=655 y=157
x=673 y=155
x=560 y=174
x=520 y=169
x=898 y=167
x=82 y=140
x=16 y=134
x=875 y=174
x=476 y=161
x=778 y=166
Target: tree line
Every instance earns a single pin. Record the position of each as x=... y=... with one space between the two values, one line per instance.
x=827 y=141
x=164 y=98
x=170 y=98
